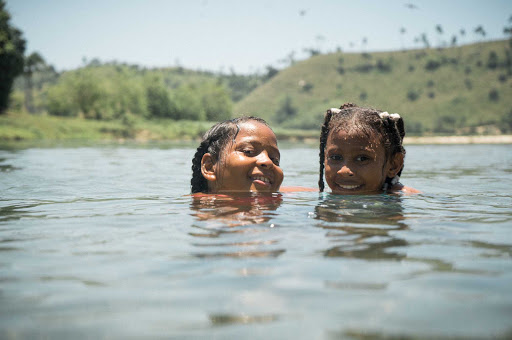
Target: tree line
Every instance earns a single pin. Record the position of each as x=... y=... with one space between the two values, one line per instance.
x=112 y=90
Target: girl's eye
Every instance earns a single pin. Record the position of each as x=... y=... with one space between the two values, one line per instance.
x=362 y=158
x=335 y=157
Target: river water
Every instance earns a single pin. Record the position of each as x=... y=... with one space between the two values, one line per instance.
x=103 y=242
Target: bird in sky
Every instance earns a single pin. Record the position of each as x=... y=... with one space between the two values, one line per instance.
x=411 y=6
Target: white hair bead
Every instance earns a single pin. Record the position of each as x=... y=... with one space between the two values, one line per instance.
x=394 y=116
x=384 y=115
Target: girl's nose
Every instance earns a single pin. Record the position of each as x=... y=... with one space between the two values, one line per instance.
x=264 y=160
x=345 y=171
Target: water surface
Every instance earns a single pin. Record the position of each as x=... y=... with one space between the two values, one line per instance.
x=103 y=242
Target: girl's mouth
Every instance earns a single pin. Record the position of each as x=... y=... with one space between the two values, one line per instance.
x=349 y=187
x=262 y=180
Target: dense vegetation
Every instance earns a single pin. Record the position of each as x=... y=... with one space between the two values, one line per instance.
x=116 y=91
x=456 y=90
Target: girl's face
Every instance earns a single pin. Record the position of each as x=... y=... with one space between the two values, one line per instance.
x=356 y=164
x=251 y=163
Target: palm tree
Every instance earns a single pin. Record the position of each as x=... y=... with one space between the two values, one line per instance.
x=439 y=30
x=462 y=33
x=425 y=41
x=402 y=33
x=480 y=30
x=454 y=41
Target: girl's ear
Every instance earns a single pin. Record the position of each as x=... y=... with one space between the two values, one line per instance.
x=395 y=164
x=208 y=167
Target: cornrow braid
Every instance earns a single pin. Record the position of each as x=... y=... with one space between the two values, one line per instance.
x=401 y=131
x=198 y=183
x=323 y=140
x=395 y=132
x=214 y=142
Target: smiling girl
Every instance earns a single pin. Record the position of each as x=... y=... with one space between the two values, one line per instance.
x=361 y=150
x=238 y=155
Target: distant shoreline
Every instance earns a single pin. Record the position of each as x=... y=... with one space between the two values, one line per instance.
x=425 y=140
x=432 y=140
x=497 y=139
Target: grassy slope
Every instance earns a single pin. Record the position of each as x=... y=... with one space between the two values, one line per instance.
x=388 y=90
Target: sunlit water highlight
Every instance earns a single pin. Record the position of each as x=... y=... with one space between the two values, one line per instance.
x=103 y=242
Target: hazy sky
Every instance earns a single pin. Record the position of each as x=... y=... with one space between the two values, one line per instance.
x=244 y=35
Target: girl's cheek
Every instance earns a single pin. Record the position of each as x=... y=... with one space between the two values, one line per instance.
x=329 y=170
x=239 y=156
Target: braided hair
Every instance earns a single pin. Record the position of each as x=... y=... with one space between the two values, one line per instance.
x=352 y=118
x=214 y=142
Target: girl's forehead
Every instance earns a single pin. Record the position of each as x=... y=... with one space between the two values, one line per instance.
x=253 y=130
x=354 y=140
x=354 y=136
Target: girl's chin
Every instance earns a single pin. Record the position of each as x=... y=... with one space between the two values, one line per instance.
x=263 y=187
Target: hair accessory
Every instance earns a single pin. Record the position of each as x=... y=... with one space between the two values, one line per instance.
x=334 y=110
x=384 y=115
x=394 y=116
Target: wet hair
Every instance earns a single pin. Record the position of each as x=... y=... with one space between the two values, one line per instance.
x=366 y=121
x=214 y=142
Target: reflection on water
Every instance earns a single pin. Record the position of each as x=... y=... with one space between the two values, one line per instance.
x=227 y=319
x=6 y=167
x=247 y=213
x=374 y=228
x=360 y=226
x=236 y=209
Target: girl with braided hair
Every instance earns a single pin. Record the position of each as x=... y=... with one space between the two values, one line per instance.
x=361 y=150
x=237 y=155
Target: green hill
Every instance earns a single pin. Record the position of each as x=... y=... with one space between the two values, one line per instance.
x=459 y=90
x=453 y=91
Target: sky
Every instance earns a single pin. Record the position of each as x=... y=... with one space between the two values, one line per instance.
x=244 y=36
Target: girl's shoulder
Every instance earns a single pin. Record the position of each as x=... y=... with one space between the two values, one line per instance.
x=409 y=190
x=400 y=188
